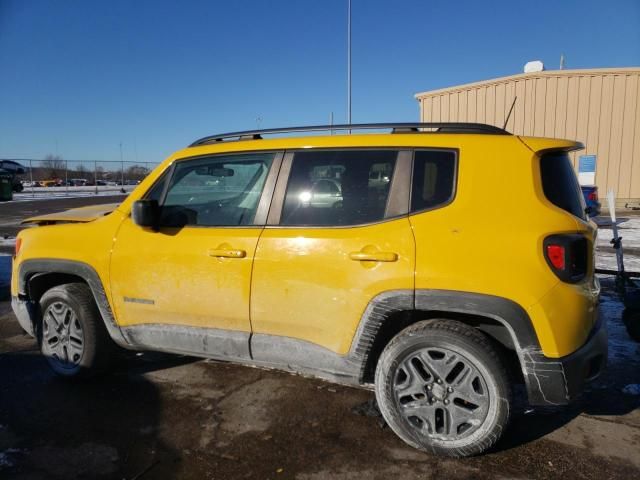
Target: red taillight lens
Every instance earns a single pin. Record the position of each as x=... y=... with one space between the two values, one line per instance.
x=593 y=196
x=555 y=254
x=568 y=255
x=18 y=245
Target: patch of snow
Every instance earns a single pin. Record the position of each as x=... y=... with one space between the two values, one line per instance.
x=629 y=230
x=5 y=460
x=623 y=350
x=7 y=242
x=632 y=389
x=45 y=193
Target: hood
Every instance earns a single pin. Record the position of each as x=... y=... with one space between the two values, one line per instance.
x=75 y=215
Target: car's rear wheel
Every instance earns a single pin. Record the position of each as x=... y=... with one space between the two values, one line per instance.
x=71 y=334
x=442 y=388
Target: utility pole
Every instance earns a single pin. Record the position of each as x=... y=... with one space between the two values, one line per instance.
x=349 y=63
x=121 y=166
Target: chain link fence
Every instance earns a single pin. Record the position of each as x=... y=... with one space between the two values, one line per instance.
x=56 y=177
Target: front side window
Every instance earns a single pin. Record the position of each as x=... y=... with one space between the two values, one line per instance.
x=337 y=188
x=434 y=177
x=216 y=191
x=155 y=192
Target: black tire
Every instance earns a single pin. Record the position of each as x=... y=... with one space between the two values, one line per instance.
x=83 y=347
x=456 y=414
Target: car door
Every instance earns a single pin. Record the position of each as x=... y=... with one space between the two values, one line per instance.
x=318 y=265
x=185 y=286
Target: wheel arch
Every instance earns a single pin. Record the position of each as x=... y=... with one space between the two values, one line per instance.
x=504 y=321
x=36 y=276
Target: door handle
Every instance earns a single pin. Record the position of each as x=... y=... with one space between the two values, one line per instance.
x=374 y=256
x=227 y=253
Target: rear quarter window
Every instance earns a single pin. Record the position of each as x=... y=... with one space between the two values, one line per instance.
x=434 y=179
x=560 y=184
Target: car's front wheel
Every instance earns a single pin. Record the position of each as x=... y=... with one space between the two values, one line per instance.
x=71 y=334
x=442 y=388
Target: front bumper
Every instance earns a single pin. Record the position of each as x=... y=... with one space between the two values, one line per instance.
x=25 y=313
x=558 y=381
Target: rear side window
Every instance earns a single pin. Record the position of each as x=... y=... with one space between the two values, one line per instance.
x=434 y=178
x=560 y=184
x=338 y=188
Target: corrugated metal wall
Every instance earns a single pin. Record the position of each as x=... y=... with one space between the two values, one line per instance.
x=600 y=108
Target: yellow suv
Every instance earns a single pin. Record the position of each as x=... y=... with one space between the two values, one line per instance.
x=438 y=264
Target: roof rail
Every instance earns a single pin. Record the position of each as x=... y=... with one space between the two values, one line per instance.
x=436 y=127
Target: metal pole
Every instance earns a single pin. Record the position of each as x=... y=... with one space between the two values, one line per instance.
x=66 y=176
x=121 y=167
x=95 y=175
x=33 y=194
x=349 y=64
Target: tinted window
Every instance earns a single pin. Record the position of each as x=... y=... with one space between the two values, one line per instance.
x=216 y=191
x=560 y=184
x=434 y=174
x=338 y=187
x=155 y=192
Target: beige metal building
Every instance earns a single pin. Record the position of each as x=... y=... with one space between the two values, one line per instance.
x=599 y=107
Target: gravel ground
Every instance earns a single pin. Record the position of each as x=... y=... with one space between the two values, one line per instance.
x=162 y=416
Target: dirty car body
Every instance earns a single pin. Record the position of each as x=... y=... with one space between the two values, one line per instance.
x=400 y=286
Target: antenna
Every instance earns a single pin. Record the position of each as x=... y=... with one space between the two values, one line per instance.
x=349 y=63
x=509 y=114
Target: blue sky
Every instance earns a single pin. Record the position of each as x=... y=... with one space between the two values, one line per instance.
x=77 y=77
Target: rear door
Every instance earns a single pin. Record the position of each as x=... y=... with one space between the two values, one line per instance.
x=322 y=259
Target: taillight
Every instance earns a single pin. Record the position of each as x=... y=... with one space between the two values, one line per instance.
x=593 y=196
x=567 y=255
x=18 y=245
x=556 y=254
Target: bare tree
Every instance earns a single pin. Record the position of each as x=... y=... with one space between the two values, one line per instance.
x=54 y=166
x=136 y=172
x=82 y=171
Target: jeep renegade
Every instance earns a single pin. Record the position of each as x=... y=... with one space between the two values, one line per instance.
x=438 y=264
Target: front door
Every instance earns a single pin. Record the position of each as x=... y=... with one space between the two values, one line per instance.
x=185 y=287
x=316 y=271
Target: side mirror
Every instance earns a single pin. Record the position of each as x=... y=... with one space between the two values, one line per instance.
x=146 y=213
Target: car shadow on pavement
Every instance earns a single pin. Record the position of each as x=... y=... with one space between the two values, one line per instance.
x=104 y=427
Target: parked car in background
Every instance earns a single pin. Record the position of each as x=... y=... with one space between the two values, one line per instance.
x=14 y=168
x=78 y=182
x=590 y=193
x=323 y=193
x=54 y=182
x=28 y=183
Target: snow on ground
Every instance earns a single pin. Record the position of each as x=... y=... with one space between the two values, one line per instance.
x=7 y=242
x=629 y=230
x=632 y=389
x=44 y=193
x=622 y=349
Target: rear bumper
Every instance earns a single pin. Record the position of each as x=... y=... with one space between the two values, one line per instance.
x=24 y=311
x=558 y=381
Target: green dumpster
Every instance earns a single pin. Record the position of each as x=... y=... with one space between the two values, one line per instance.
x=6 y=187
